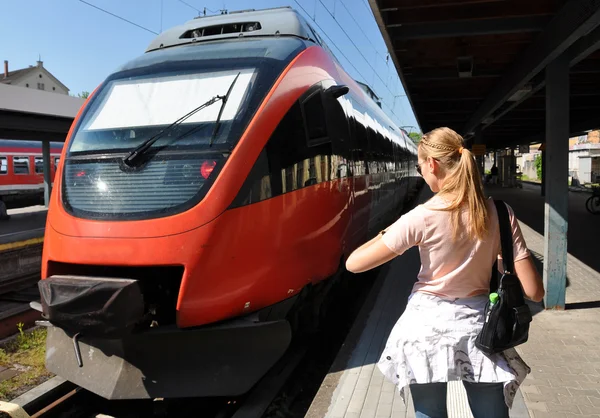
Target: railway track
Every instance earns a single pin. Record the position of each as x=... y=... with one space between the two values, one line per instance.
x=61 y=399
x=20 y=269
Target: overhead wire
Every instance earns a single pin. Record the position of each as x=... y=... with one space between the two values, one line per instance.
x=367 y=6
x=364 y=34
x=353 y=43
x=375 y=72
x=205 y=9
x=190 y=6
x=118 y=17
x=332 y=43
x=344 y=55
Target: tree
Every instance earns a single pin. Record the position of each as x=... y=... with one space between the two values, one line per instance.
x=83 y=94
x=415 y=136
x=538 y=166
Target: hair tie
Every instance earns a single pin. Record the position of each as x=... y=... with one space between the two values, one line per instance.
x=460 y=150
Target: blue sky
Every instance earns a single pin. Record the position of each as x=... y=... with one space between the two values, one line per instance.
x=81 y=45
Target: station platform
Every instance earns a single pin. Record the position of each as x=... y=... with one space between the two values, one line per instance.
x=561 y=351
x=583 y=235
x=24 y=224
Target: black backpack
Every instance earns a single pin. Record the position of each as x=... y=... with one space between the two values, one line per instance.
x=507 y=321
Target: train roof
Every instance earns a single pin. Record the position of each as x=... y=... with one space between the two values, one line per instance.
x=258 y=28
x=280 y=21
x=260 y=48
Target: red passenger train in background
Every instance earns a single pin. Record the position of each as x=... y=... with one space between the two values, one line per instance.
x=22 y=172
x=211 y=190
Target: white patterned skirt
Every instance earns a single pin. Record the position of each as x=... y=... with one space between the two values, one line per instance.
x=434 y=341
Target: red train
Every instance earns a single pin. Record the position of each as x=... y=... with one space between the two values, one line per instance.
x=22 y=172
x=210 y=188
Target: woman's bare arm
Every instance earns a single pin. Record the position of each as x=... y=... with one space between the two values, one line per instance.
x=370 y=255
x=532 y=283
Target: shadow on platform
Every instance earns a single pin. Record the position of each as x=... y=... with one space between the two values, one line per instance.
x=584 y=227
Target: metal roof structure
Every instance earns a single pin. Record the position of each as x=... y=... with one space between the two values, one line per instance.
x=36 y=114
x=480 y=64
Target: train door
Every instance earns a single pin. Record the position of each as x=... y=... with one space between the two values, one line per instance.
x=362 y=198
x=335 y=106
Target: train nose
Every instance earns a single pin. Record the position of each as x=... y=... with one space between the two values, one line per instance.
x=93 y=306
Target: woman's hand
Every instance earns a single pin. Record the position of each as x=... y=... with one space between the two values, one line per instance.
x=370 y=255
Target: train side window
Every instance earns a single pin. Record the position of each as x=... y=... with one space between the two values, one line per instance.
x=286 y=163
x=314 y=118
x=298 y=162
x=21 y=165
x=3 y=165
x=39 y=165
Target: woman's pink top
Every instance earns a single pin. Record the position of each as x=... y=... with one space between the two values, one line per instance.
x=451 y=269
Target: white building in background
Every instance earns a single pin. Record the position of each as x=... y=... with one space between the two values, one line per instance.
x=33 y=77
x=584 y=159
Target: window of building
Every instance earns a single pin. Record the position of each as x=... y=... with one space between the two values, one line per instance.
x=21 y=165
x=40 y=86
x=39 y=165
x=3 y=165
x=53 y=88
x=40 y=76
x=27 y=85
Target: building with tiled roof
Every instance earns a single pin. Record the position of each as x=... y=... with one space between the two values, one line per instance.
x=33 y=77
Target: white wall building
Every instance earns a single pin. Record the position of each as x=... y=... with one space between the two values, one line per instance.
x=584 y=159
x=33 y=77
x=584 y=162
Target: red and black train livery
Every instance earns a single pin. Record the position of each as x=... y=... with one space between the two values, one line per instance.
x=207 y=187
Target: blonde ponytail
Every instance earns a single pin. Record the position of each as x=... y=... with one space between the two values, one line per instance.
x=462 y=180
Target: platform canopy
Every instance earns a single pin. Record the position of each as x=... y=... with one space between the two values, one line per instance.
x=35 y=114
x=480 y=64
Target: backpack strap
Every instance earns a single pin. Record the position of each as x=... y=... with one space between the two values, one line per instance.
x=505 y=237
x=494 y=278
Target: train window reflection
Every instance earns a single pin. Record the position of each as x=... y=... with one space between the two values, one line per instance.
x=39 y=165
x=301 y=165
x=3 y=165
x=314 y=114
x=21 y=165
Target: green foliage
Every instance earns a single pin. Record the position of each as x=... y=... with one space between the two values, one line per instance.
x=26 y=353
x=83 y=94
x=538 y=166
x=415 y=136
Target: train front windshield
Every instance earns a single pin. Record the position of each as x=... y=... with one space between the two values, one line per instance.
x=142 y=102
x=130 y=111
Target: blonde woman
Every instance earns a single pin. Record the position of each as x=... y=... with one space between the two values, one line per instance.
x=458 y=237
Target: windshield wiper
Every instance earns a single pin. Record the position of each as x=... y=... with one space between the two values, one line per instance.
x=223 y=103
x=141 y=149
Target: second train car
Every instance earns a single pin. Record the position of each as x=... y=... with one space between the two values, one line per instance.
x=207 y=188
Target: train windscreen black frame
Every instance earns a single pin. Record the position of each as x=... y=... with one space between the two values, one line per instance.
x=89 y=170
